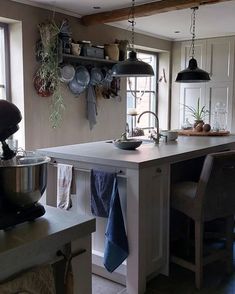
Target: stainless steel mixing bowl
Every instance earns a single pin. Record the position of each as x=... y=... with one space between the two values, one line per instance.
x=23 y=183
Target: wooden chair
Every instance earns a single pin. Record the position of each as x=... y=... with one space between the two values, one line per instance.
x=211 y=198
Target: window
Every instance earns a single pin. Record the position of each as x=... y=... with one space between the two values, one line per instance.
x=142 y=94
x=4 y=62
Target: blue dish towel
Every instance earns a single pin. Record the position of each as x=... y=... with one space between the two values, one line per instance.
x=101 y=192
x=105 y=202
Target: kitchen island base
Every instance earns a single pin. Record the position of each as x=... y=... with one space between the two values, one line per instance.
x=144 y=184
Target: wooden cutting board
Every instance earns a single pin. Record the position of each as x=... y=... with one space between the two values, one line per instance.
x=195 y=133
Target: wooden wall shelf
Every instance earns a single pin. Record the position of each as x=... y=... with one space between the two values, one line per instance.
x=87 y=59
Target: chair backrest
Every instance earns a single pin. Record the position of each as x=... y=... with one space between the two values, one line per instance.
x=216 y=187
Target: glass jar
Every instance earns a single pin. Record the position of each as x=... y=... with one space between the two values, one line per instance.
x=187 y=125
x=220 y=117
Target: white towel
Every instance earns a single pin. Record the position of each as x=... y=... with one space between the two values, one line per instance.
x=64 y=180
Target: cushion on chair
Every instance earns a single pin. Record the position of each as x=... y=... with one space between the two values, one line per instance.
x=183 y=198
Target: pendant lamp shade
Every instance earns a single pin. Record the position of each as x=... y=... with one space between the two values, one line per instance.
x=193 y=74
x=132 y=67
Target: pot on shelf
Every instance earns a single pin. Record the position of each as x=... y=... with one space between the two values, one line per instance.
x=112 y=51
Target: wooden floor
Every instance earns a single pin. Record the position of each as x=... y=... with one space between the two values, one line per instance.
x=180 y=281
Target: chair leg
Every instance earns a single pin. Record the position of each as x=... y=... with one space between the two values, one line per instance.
x=229 y=243
x=199 y=226
x=188 y=237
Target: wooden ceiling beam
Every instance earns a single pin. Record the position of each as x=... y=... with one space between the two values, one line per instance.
x=144 y=10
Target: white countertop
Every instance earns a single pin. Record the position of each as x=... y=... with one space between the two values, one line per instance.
x=108 y=154
x=34 y=242
x=53 y=223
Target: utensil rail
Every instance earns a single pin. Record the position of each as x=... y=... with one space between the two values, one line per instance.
x=119 y=173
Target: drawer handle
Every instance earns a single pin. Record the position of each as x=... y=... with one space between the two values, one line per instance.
x=158 y=170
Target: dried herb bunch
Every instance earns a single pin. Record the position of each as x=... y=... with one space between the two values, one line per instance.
x=47 y=74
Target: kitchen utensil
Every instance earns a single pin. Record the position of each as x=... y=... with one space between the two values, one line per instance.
x=67 y=73
x=107 y=73
x=129 y=144
x=76 y=88
x=10 y=117
x=23 y=182
x=82 y=76
x=169 y=134
x=22 y=179
x=96 y=76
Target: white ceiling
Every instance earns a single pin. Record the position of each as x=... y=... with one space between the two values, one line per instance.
x=211 y=20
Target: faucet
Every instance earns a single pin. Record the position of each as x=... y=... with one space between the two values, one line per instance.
x=157 y=137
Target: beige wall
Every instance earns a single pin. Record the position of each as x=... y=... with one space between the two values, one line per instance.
x=74 y=129
x=163 y=90
x=175 y=87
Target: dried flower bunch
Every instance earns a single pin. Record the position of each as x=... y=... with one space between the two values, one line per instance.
x=46 y=79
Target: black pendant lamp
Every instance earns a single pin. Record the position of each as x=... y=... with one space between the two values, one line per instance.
x=132 y=67
x=193 y=74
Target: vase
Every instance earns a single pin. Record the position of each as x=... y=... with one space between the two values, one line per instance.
x=122 y=45
x=112 y=51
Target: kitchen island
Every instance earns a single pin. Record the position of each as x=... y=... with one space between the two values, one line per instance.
x=145 y=176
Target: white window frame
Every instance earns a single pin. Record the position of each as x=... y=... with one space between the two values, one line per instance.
x=4 y=62
x=132 y=121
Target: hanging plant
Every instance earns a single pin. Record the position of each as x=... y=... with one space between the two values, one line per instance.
x=46 y=80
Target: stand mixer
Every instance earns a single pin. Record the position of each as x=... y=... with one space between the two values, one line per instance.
x=10 y=116
x=23 y=179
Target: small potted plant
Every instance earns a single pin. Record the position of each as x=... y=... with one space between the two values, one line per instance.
x=198 y=113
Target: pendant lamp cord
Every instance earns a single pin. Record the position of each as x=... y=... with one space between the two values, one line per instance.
x=132 y=22
x=192 y=30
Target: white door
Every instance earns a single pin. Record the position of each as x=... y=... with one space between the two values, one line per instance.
x=220 y=59
x=220 y=92
x=190 y=92
x=189 y=95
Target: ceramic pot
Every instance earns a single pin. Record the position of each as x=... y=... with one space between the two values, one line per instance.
x=196 y=122
x=171 y=135
x=76 y=49
x=122 y=45
x=112 y=51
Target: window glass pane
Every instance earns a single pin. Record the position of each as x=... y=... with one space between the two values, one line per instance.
x=2 y=65
x=130 y=104
x=141 y=94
